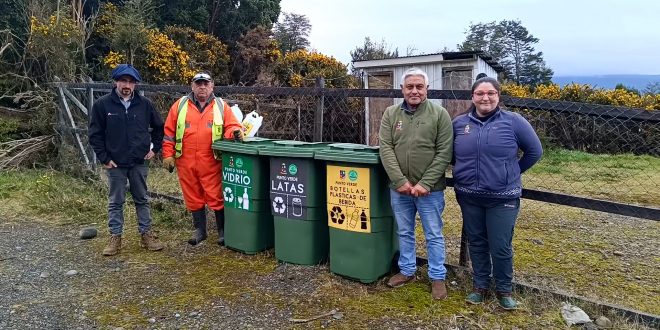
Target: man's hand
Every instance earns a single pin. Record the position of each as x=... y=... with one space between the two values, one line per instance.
x=238 y=135
x=405 y=189
x=110 y=165
x=149 y=155
x=168 y=164
x=419 y=191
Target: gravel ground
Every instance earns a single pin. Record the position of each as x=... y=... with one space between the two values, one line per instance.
x=37 y=293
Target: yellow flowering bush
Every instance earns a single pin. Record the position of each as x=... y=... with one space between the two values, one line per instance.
x=516 y=90
x=206 y=52
x=585 y=93
x=548 y=92
x=300 y=68
x=55 y=44
x=166 y=62
x=576 y=92
x=113 y=59
x=651 y=101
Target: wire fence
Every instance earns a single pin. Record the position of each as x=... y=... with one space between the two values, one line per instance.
x=620 y=175
x=602 y=159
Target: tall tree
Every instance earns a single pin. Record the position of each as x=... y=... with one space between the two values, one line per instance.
x=652 y=88
x=131 y=27
x=255 y=52
x=230 y=19
x=511 y=44
x=374 y=51
x=185 y=13
x=291 y=32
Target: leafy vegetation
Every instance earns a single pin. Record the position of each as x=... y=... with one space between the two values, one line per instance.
x=291 y=32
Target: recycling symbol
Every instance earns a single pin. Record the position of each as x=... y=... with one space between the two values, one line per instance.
x=336 y=215
x=278 y=205
x=228 y=194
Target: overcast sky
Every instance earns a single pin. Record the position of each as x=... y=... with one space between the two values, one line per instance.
x=577 y=37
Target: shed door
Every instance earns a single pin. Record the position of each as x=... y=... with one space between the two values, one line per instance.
x=377 y=105
x=457 y=79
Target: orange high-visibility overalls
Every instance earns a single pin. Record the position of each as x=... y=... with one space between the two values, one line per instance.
x=200 y=174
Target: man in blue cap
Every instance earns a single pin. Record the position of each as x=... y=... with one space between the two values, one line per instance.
x=119 y=133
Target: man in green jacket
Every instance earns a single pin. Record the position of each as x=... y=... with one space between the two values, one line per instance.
x=416 y=148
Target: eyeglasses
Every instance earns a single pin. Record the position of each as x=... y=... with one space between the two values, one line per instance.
x=481 y=94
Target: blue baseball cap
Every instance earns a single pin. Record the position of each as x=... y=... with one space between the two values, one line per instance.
x=125 y=70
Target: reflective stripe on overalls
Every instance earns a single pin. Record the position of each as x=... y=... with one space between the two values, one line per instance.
x=216 y=127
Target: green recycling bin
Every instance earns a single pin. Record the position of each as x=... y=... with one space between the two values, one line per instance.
x=297 y=196
x=362 y=229
x=248 y=221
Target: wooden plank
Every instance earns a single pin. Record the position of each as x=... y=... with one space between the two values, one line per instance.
x=642 y=212
x=90 y=105
x=75 y=101
x=73 y=125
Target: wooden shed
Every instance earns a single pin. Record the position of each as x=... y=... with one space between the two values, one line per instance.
x=449 y=70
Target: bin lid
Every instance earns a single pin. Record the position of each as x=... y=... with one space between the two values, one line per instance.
x=349 y=153
x=297 y=149
x=249 y=145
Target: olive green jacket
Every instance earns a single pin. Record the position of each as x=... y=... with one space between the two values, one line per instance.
x=417 y=146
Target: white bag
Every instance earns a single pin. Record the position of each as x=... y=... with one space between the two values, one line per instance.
x=237 y=112
x=251 y=124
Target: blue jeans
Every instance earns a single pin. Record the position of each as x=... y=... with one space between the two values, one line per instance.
x=137 y=179
x=430 y=208
x=489 y=224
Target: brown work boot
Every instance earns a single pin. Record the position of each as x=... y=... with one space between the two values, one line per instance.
x=150 y=241
x=113 y=246
x=438 y=290
x=399 y=280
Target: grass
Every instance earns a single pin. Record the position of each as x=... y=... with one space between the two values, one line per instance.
x=624 y=178
x=556 y=247
x=582 y=252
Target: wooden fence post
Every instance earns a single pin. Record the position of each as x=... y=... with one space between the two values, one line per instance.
x=464 y=256
x=90 y=104
x=318 y=115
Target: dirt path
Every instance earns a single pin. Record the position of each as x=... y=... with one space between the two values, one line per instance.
x=37 y=293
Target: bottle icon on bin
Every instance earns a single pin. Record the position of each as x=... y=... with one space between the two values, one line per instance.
x=352 y=222
x=363 y=220
x=296 y=207
x=244 y=201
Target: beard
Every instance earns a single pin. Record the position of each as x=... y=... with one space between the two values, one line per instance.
x=126 y=91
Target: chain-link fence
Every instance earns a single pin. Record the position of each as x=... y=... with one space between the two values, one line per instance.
x=619 y=175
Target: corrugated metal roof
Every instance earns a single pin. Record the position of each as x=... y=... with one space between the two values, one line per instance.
x=426 y=58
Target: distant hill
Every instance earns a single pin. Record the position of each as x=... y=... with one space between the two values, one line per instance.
x=637 y=81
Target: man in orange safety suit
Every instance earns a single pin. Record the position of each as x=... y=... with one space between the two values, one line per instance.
x=192 y=124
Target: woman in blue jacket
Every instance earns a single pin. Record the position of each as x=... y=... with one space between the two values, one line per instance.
x=487 y=182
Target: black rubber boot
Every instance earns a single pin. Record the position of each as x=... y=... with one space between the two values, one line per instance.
x=199 y=222
x=220 y=222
